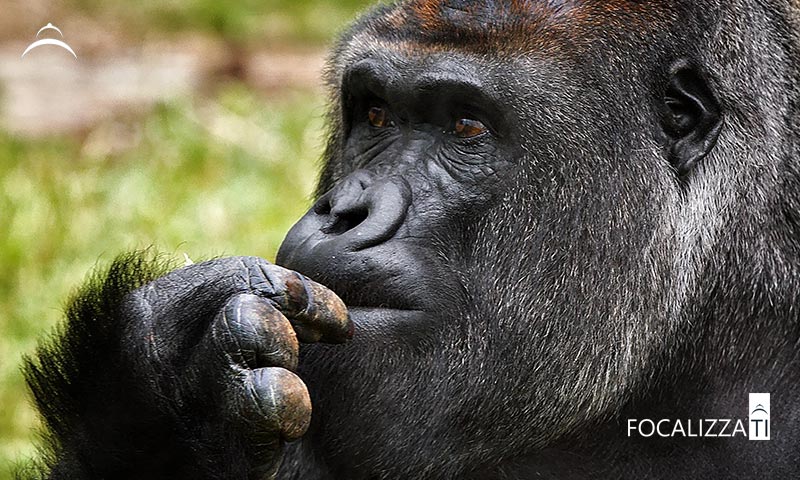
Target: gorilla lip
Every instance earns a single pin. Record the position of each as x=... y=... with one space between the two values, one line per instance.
x=382 y=315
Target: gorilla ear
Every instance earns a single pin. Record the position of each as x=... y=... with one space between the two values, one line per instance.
x=692 y=119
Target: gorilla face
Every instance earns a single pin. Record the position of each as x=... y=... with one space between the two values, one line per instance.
x=428 y=146
x=500 y=218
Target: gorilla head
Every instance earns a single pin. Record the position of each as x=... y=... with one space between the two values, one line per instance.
x=537 y=211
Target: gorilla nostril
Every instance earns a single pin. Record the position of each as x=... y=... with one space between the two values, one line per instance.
x=323 y=205
x=345 y=221
x=358 y=213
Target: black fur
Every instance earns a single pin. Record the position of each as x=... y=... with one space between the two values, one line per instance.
x=81 y=386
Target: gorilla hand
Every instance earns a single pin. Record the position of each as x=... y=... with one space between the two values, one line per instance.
x=206 y=355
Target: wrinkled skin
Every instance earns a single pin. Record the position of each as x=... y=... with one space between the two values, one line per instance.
x=544 y=218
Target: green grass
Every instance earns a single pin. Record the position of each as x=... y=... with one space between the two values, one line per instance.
x=225 y=176
x=283 y=21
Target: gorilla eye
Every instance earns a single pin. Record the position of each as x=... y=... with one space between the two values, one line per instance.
x=468 y=128
x=379 y=118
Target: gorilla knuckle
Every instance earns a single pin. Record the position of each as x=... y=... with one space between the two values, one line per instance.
x=278 y=402
x=253 y=333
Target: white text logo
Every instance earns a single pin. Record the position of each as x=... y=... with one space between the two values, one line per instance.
x=758 y=426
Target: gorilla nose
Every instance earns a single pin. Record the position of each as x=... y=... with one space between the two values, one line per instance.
x=359 y=212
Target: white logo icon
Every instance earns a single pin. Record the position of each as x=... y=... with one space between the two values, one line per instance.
x=759 y=416
x=49 y=41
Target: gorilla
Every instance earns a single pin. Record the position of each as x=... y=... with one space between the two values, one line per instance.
x=546 y=223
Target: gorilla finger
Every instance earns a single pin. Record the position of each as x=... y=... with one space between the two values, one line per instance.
x=277 y=403
x=253 y=333
x=316 y=313
x=323 y=318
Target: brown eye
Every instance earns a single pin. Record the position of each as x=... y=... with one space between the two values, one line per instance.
x=468 y=128
x=378 y=117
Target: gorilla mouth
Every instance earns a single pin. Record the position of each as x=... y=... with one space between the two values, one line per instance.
x=382 y=303
x=393 y=294
x=383 y=310
x=381 y=307
x=373 y=311
x=387 y=322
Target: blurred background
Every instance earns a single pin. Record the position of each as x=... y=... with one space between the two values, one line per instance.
x=193 y=126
